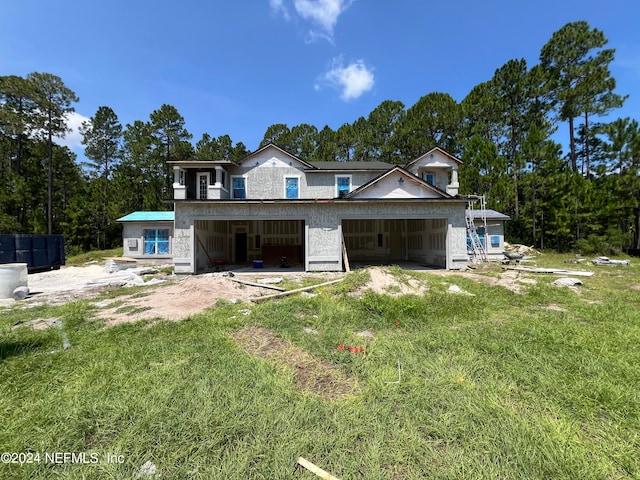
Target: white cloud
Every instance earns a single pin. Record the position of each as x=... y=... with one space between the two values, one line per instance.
x=352 y=81
x=277 y=6
x=323 y=14
x=73 y=139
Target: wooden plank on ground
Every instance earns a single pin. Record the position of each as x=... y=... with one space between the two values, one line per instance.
x=297 y=290
x=554 y=271
x=315 y=469
x=261 y=285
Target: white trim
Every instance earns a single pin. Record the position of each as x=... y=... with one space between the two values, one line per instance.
x=342 y=175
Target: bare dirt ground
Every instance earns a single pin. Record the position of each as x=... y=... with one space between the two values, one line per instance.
x=310 y=373
x=176 y=298
x=179 y=297
x=382 y=282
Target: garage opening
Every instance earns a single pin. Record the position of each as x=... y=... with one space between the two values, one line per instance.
x=239 y=243
x=384 y=241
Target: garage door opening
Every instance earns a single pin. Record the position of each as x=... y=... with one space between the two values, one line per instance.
x=240 y=243
x=389 y=241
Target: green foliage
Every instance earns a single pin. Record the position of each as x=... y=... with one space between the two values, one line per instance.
x=495 y=385
x=578 y=75
x=608 y=245
x=502 y=130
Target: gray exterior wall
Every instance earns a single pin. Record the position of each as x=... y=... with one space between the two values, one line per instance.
x=264 y=182
x=133 y=241
x=323 y=226
x=495 y=228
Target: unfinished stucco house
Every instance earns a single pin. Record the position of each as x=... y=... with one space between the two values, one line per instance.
x=148 y=236
x=272 y=205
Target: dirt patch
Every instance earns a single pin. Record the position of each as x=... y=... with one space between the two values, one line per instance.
x=635 y=287
x=179 y=300
x=509 y=279
x=310 y=373
x=384 y=283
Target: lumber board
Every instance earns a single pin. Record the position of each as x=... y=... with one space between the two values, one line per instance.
x=297 y=290
x=315 y=469
x=345 y=257
x=554 y=271
x=261 y=285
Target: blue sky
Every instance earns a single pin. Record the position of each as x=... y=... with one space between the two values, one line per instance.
x=237 y=67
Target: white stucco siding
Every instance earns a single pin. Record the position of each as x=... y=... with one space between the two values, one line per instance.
x=267 y=181
x=396 y=185
x=323 y=184
x=433 y=159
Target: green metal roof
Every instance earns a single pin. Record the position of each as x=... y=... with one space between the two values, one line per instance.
x=147 y=217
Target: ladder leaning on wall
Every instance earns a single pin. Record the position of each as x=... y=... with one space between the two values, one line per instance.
x=478 y=252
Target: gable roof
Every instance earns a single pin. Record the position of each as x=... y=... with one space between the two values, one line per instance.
x=404 y=175
x=147 y=217
x=431 y=152
x=350 y=165
x=274 y=146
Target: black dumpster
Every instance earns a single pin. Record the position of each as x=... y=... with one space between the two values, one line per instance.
x=39 y=252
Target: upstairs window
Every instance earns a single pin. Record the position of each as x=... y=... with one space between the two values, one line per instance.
x=291 y=187
x=238 y=187
x=343 y=185
x=156 y=241
x=429 y=177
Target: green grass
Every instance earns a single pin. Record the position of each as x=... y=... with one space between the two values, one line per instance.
x=93 y=256
x=493 y=385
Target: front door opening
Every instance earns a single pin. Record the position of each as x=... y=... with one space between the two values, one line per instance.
x=241 y=247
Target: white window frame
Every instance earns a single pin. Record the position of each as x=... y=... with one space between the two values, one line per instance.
x=284 y=186
x=198 y=177
x=349 y=176
x=231 y=189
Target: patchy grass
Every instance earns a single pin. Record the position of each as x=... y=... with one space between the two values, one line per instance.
x=494 y=385
x=93 y=256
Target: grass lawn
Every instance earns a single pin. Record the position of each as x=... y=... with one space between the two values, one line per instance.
x=495 y=385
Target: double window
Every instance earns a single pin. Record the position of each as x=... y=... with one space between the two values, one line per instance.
x=156 y=241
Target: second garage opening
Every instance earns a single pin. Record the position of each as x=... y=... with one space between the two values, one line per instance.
x=384 y=241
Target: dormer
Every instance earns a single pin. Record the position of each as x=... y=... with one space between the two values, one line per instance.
x=438 y=168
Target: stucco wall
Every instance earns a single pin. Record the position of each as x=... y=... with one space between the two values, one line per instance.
x=133 y=241
x=494 y=228
x=267 y=180
x=323 y=230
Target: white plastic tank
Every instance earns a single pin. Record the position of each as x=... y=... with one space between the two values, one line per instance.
x=12 y=276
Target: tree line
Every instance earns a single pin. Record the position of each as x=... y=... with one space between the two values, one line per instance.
x=503 y=130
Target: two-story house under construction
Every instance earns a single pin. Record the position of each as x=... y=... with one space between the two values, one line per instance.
x=272 y=204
